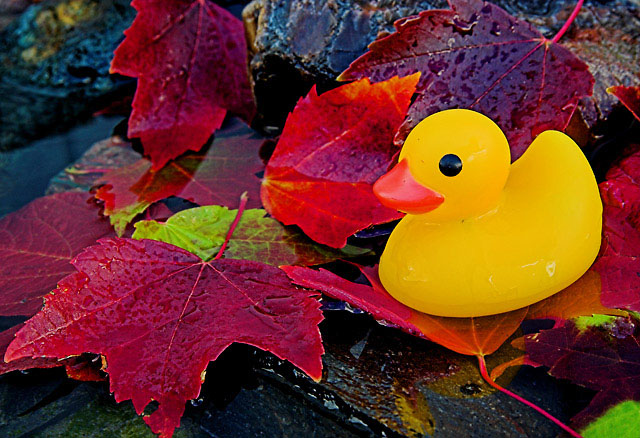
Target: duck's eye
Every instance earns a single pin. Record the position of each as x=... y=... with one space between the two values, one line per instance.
x=450 y=165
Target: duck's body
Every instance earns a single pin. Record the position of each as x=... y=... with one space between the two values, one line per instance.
x=539 y=235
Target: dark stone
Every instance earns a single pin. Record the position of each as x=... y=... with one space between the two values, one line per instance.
x=10 y=10
x=294 y=44
x=54 y=66
x=392 y=384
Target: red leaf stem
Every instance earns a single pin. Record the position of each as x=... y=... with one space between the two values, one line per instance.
x=243 y=203
x=568 y=23
x=485 y=375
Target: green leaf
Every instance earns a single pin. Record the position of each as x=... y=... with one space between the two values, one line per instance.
x=621 y=421
x=202 y=231
x=596 y=320
x=198 y=230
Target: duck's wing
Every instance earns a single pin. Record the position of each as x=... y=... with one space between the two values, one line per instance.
x=553 y=175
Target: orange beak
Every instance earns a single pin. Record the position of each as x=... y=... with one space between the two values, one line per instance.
x=398 y=189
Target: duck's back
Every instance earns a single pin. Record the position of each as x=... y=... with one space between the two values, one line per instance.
x=543 y=235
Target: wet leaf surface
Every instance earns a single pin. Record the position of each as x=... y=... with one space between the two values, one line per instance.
x=102 y=157
x=37 y=244
x=619 y=262
x=218 y=175
x=202 y=231
x=333 y=148
x=606 y=360
x=190 y=60
x=629 y=96
x=479 y=57
x=159 y=315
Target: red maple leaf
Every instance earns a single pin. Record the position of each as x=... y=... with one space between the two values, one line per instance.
x=190 y=59
x=619 y=261
x=217 y=176
x=607 y=361
x=333 y=148
x=477 y=56
x=629 y=96
x=159 y=314
x=472 y=336
x=37 y=243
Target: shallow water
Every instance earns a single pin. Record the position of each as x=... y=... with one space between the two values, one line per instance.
x=25 y=172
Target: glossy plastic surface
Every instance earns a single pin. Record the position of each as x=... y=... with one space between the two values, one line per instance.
x=505 y=236
x=398 y=189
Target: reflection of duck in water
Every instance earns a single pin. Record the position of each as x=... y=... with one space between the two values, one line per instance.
x=483 y=236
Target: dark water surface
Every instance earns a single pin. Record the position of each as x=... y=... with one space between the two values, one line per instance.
x=25 y=172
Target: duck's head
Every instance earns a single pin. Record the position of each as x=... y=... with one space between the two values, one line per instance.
x=453 y=165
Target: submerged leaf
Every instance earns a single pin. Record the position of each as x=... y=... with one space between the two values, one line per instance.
x=216 y=176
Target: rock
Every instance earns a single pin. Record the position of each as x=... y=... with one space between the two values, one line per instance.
x=54 y=66
x=287 y=58
x=10 y=10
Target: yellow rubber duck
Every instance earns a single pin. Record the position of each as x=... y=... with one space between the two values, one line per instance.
x=484 y=236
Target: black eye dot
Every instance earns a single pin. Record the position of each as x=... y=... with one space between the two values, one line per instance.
x=450 y=165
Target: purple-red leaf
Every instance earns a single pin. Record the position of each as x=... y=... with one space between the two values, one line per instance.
x=159 y=314
x=594 y=358
x=333 y=148
x=190 y=59
x=477 y=56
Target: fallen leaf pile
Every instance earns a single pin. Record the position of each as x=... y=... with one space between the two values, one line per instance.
x=191 y=280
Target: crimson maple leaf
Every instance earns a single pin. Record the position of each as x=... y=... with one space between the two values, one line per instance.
x=159 y=314
x=333 y=148
x=37 y=243
x=619 y=261
x=190 y=59
x=477 y=56
x=629 y=96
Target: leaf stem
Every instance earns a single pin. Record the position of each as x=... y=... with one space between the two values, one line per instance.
x=243 y=203
x=567 y=23
x=485 y=375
